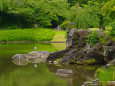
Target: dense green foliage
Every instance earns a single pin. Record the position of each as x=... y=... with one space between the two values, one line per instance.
x=51 y=13
x=27 y=13
x=85 y=16
x=67 y=33
x=93 y=38
x=106 y=74
x=27 y=35
x=113 y=28
x=109 y=12
x=64 y=25
x=103 y=40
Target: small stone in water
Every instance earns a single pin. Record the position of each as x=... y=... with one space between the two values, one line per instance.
x=50 y=61
x=97 y=79
x=54 y=62
x=90 y=83
x=93 y=81
x=85 y=83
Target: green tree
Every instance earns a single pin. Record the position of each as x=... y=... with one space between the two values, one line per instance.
x=85 y=16
x=31 y=12
x=109 y=12
x=109 y=9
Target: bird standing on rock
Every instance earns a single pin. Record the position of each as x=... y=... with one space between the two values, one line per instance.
x=35 y=65
x=35 y=48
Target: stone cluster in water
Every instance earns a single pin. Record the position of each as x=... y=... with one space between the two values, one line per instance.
x=92 y=83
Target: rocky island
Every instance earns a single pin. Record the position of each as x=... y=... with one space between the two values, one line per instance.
x=82 y=47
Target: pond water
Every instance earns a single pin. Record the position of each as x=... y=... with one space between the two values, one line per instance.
x=41 y=75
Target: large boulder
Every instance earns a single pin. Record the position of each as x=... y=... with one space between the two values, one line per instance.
x=31 y=57
x=20 y=59
x=109 y=52
x=94 y=53
x=96 y=47
x=82 y=37
x=70 y=56
x=38 y=56
x=86 y=55
x=83 y=33
x=101 y=33
x=20 y=56
x=110 y=43
x=77 y=38
x=57 y=55
x=112 y=62
x=72 y=37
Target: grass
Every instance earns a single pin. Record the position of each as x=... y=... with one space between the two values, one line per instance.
x=108 y=33
x=59 y=46
x=106 y=74
x=59 y=36
x=27 y=35
x=93 y=29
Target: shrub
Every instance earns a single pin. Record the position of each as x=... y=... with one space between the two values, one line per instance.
x=102 y=40
x=77 y=41
x=67 y=33
x=11 y=26
x=113 y=28
x=58 y=60
x=64 y=25
x=93 y=38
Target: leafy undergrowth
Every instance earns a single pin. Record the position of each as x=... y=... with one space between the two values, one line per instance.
x=107 y=32
x=27 y=35
x=106 y=74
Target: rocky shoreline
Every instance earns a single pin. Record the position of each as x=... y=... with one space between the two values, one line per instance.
x=78 y=51
x=81 y=52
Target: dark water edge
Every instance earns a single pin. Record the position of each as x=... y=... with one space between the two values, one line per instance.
x=41 y=75
x=3 y=42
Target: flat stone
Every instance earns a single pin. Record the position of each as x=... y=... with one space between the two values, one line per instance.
x=64 y=72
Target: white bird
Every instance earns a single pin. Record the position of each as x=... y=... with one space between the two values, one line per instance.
x=35 y=48
x=35 y=65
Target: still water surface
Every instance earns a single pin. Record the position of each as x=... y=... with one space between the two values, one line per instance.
x=43 y=74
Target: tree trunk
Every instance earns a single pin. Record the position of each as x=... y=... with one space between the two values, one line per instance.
x=101 y=25
x=36 y=26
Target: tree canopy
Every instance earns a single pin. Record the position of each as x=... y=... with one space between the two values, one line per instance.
x=51 y=13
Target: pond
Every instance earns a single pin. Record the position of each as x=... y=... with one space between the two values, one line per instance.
x=41 y=75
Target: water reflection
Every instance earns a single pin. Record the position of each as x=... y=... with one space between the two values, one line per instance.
x=42 y=74
x=26 y=75
x=39 y=74
x=81 y=73
x=29 y=76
